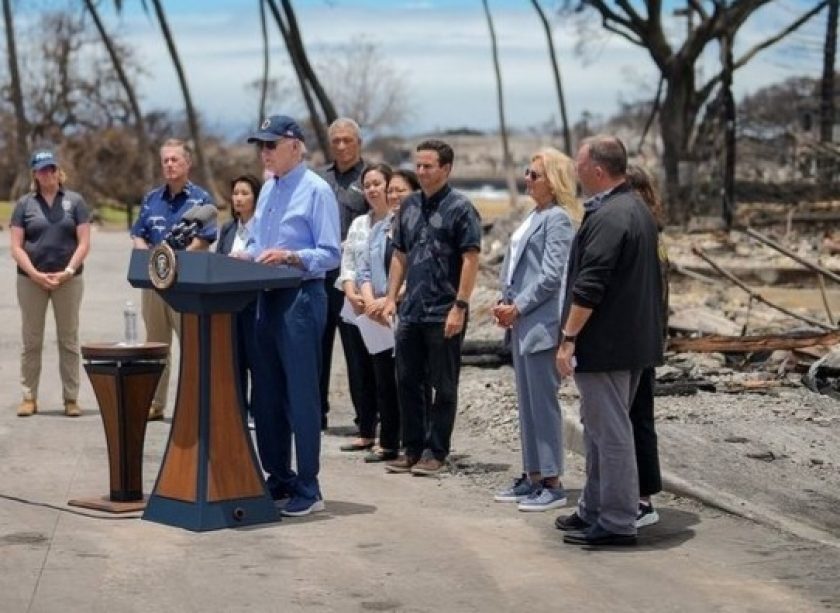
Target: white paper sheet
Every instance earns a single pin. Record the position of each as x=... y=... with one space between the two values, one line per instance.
x=377 y=338
x=347 y=313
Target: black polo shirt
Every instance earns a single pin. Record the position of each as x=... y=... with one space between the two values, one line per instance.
x=49 y=232
x=434 y=232
x=348 y=191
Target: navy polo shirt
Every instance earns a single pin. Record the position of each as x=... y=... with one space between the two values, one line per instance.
x=434 y=232
x=160 y=211
x=49 y=232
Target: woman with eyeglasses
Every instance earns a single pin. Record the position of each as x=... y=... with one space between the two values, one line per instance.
x=532 y=277
x=50 y=238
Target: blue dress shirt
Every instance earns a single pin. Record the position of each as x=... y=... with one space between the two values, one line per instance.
x=298 y=212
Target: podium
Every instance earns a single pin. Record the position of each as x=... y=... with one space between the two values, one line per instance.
x=210 y=477
x=124 y=378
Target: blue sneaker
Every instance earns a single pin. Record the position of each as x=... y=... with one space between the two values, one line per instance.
x=518 y=491
x=299 y=506
x=544 y=499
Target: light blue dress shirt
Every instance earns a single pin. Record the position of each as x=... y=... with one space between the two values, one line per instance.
x=298 y=212
x=371 y=266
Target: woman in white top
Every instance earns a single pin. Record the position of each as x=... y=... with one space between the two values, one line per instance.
x=532 y=278
x=360 y=367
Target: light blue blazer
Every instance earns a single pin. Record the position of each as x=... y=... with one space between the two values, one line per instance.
x=536 y=287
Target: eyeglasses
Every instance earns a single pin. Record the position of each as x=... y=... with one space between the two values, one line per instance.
x=271 y=145
x=532 y=174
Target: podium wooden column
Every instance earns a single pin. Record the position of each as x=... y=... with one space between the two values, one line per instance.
x=124 y=379
x=210 y=477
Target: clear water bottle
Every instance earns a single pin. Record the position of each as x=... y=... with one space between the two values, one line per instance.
x=130 y=324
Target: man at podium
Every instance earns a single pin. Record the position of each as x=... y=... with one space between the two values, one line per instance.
x=296 y=223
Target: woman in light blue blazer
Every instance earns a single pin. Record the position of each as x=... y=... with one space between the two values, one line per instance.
x=532 y=278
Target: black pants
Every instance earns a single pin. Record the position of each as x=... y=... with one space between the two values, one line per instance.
x=425 y=357
x=335 y=300
x=246 y=351
x=360 y=377
x=644 y=435
x=385 y=371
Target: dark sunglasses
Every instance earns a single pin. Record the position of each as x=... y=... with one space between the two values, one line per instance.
x=532 y=174
x=271 y=145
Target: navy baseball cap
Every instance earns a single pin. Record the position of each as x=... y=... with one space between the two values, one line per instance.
x=277 y=127
x=42 y=159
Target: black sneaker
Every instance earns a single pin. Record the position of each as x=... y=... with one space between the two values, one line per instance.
x=570 y=522
x=647 y=515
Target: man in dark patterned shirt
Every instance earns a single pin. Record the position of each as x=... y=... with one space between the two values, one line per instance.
x=436 y=244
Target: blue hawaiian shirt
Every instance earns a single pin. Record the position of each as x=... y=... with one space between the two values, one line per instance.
x=160 y=211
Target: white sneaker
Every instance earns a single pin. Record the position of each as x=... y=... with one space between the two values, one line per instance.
x=647 y=515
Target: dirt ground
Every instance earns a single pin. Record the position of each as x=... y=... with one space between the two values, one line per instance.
x=399 y=543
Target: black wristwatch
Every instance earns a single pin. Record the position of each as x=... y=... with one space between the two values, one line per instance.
x=568 y=338
x=462 y=304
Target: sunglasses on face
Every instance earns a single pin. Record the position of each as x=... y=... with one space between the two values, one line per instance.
x=271 y=145
x=532 y=174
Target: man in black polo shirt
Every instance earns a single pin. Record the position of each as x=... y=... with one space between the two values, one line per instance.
x=436 y=244
x=343 y=176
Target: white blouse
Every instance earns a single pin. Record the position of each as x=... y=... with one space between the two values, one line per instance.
x=353 y=249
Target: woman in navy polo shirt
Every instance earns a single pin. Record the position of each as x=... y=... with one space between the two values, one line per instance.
x=50 y=230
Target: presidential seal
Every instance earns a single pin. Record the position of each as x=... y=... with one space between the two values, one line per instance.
x=163 y=266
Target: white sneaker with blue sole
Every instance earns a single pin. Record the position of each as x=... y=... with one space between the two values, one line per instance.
x=518 y=491
x=544 y=499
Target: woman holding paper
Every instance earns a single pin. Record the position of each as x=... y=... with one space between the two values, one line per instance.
x=360 y=365
x=384 y=191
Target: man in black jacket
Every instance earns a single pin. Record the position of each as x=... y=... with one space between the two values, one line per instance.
x=612 y=330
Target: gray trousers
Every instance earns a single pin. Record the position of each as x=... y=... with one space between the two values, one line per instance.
x=611 y=494
x=540 y=419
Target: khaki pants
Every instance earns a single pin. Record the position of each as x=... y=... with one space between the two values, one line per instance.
x=160 y=320
x=66 y=300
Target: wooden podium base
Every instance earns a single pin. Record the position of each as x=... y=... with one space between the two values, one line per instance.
x=104 y=503
x=210 y=477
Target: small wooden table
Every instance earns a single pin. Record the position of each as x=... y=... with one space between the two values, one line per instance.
x=124 y=379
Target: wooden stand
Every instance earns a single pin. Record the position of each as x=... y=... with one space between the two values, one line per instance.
x=124 y=379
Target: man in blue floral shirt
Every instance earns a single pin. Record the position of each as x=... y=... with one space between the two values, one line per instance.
x=163 y=208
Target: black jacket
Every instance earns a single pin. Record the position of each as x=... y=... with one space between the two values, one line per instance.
x=226 y=237
x=614 y=270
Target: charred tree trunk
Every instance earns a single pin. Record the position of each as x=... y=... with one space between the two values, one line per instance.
x=204 y=170
x=729 y=117
x=507 y=161
x=676 y=117
x=21 y=125
x=266 y=59
x=567 y=137
x=827 y=112
x=314 y=116
x=139 y=124
x=297 y=49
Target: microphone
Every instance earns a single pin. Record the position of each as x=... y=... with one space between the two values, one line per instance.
x=191 y=223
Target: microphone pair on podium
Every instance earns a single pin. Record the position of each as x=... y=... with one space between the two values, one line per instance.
x=191 y=224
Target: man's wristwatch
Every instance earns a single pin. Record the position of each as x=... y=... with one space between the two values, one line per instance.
x=71 y=270
x=462 y=304
x=568 y=338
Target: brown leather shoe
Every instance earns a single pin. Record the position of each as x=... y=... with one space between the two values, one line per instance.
x=27 y=408
x=427 y=466
x=402 y=464
x=72 y=409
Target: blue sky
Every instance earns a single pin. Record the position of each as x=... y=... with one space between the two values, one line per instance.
x=440 y=48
